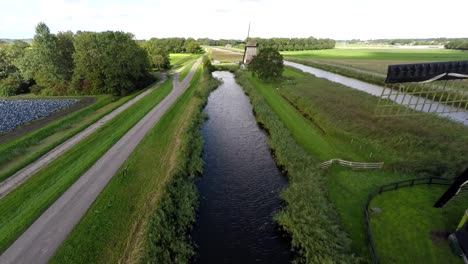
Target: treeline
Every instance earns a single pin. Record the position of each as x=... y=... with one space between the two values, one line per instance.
x=458 y=44
x=219 y=42
x=159 y=49
x=68 y=63
x=285 y=44
x=281 y=44
x=72 y=64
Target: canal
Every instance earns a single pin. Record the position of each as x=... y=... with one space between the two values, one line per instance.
x=240 y=187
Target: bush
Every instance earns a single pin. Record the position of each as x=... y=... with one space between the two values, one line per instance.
x=267 y=64
x=35 y=89
x=11 y=85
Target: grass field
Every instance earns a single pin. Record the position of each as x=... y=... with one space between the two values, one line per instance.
x=22 y=206
x=177 y=58
x=109 y=234
x=375 y=60
x=224 y=56
x=422 y=230
x=22 y=151
x=410 y=147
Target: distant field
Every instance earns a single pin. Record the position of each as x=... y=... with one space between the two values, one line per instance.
x=380 y=54
x=224 y=56
x=178 y=57
x=376 y=60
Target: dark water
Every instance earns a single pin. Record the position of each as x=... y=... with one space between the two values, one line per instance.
x=239 y=191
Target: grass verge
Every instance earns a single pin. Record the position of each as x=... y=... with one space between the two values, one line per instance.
x=156 y=199
x=186 y=70
x=22 y=206
x=17 y=154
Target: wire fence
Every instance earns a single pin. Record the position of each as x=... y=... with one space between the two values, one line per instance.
x=390 y=187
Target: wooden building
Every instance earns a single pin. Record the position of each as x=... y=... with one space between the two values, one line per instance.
x=249 y=52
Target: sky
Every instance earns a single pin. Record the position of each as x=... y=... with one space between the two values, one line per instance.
x=229 y=19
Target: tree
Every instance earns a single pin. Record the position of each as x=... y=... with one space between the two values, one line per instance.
x=158 y=55
x=108 y=62
x=192 y=46
x=267 y=64
x=46 y=62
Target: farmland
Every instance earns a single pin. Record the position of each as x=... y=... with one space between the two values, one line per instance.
x=374 y=61
x=219 y=55
x=411 y=147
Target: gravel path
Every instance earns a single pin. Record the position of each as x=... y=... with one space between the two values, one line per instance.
x=22 y=175
x=40 y=241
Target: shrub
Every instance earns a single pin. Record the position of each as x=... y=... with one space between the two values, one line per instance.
x=35 y=89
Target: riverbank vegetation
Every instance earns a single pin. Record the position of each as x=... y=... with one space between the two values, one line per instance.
x=326 y=120
x=310 y=219
x=24 y=204
x=157 y=196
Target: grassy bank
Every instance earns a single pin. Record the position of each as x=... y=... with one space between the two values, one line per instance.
x=409 y=146
x=408 y=218
x=156 y=197
x=22 y=206
x=18 y=153
x=309 y=217
x=186 y=70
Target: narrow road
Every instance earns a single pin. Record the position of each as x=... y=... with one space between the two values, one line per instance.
x=40 y=241
x=25 y=173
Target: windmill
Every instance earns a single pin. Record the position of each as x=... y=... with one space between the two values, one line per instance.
x=250 y=49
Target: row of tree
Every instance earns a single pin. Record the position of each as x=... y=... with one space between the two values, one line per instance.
x=280 y=44
x=459 y=44
x=84 y=63
x=285 y=44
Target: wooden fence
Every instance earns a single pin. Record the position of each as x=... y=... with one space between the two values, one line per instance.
x=352 y=165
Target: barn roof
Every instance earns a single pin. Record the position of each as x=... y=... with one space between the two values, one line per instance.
x=419 y=72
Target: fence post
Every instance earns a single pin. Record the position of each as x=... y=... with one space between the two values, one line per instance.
x=430 y=181
x=412 y=182
x=397 y=185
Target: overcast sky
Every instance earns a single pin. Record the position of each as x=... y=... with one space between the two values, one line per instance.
x=337 y=19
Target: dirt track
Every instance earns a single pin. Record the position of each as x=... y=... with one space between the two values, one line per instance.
x=40 y=241
x=22 y=175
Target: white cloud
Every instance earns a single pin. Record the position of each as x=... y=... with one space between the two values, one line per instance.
x=338 y=19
